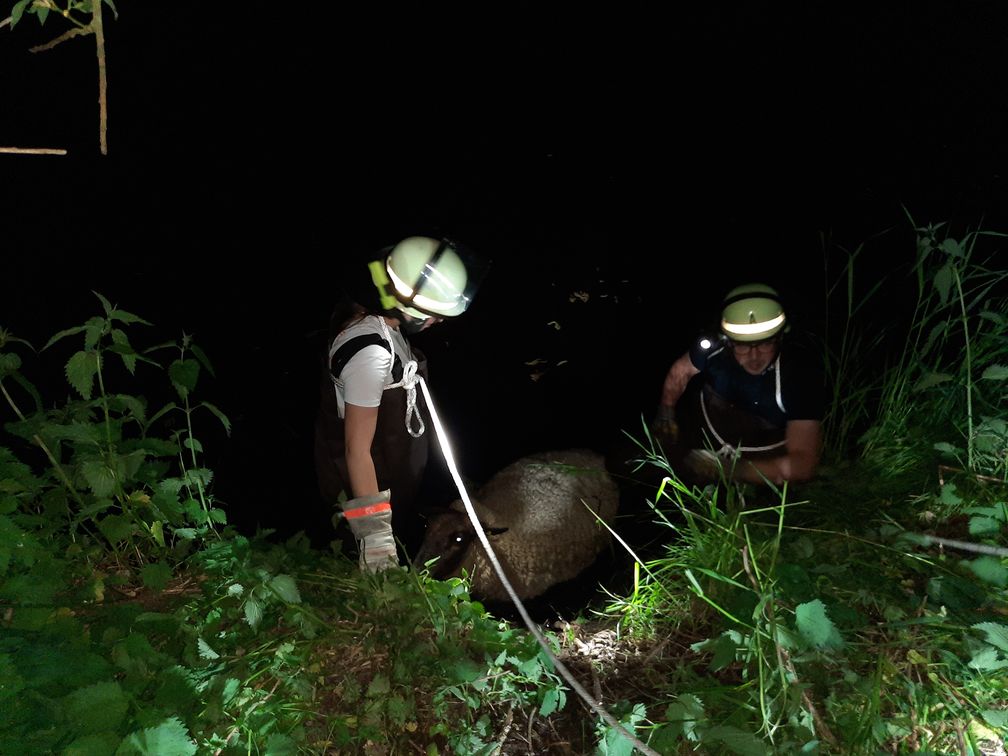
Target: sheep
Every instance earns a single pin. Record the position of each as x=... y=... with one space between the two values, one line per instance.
x=533 y=515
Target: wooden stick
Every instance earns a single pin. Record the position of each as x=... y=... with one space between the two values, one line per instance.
x=33 y=151
x=942 y=469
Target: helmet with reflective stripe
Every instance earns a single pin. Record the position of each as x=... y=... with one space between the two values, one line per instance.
x=429 y=277
x=752 y=313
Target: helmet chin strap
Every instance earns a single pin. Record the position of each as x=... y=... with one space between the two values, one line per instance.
x=408 y=324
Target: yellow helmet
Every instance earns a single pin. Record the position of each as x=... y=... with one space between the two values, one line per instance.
x=429 y=277
x=752 y=312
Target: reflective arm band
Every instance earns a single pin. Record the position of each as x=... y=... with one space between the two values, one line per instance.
x=369 y=509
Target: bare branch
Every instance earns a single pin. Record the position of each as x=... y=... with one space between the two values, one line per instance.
x=62 y=38
x=33 y=150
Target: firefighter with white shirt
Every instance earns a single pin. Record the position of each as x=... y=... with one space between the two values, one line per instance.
x=371 y=443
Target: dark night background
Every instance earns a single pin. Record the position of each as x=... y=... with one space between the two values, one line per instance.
x=649 y=160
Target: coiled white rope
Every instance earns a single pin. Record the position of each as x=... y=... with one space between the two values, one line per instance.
x=564 y=672
x=408 y=382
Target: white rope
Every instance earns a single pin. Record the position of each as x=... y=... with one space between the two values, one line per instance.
x=564 y=672
x=726 y=448
x=408 y=383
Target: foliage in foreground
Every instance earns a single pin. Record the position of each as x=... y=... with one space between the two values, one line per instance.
x=135 y=621
x=824 y=624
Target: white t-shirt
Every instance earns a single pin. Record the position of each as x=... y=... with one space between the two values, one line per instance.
x=368 y=372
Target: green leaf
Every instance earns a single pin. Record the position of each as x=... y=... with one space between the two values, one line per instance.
x=163 y=411
x=736 y=740
x=202 y=358
x=253 y=612
x=996 y=373
x=949 y=495
x=997 y=635
x=958 y=594
x=63 y=334
x=285 y=586
x=11 y=683
x=928 y=380
x=987 y=660
x=9 y=363
x=980 y=526
x=998 y=719
x=464 y=671
x=99 y=477
x=106 y=305
x=281 y=745
x=205 y=651
x=170 y=738
x=80 y=372
x=943 y=282
x=156 y=575
x=126 y=317
x=18 y=11
x=123 y=349
x=98 y=744
x=990 y=570
x=184 y=374
x=684 y=715
x=952 y=248
x=219 y=415
x=379 y=687
x=96 y=708
x=815 y=626
x=722 y=647
x=116 y=528
x=549 y=703
x=231 y=688
x=94 y=329
x=198 y=476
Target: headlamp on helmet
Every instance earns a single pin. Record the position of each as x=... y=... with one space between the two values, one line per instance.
x=752 y=313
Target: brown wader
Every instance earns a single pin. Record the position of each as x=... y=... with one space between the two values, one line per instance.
x=723 y=423
x=399 y=459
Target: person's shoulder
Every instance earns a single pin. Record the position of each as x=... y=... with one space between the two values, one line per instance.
x=364 y=327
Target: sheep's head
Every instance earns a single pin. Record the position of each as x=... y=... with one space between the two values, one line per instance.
x=451 y=539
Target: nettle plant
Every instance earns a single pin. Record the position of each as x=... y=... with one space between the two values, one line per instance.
x=114 y=484
x=946 y=388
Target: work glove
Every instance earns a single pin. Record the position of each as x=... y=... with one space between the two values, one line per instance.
x=664 y=426
x=370 y=519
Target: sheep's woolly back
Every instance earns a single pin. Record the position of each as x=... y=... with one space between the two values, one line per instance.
x=551 y=535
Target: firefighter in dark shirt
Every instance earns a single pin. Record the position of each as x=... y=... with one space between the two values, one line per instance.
x=756 y=409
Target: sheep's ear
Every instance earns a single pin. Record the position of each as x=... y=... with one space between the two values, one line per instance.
x=457 y=506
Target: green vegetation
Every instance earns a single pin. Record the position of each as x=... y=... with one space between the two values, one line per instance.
x=842 y=616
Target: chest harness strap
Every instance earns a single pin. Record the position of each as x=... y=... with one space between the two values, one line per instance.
x=728 y=449
x=402 y=375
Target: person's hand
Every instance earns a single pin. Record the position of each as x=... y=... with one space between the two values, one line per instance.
x=664 y=426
